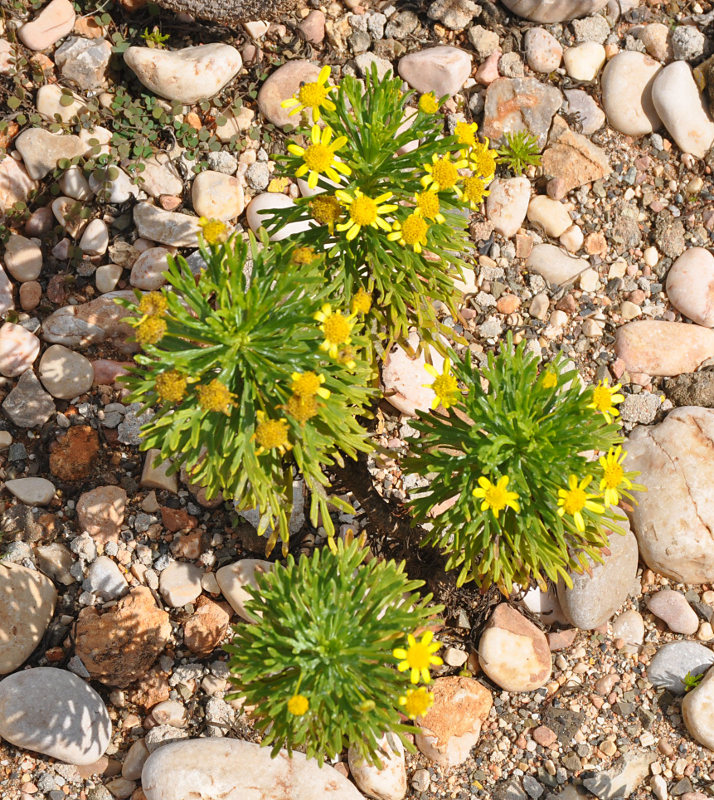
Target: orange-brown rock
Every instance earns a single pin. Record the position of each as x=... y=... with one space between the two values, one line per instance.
x=73 y=456
x=205 y=629
x=149 y=690
x=177 y=519
x=119 y=646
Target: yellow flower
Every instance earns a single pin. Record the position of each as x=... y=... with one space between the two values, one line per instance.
x=345 y=356
x=483 y=160
x=363 y=211
x=549 y=378
x=410 y=233
x=214 y=231
x=443 y=173
x=574 y=499
x=171 y=386
x=428 y=104
x=326 y=209
x=613 y=476
x=151 y=330
x=319 y=157
x=418 y=657
x=336 y=327
x=427 y=204
x=444 y=387
x=605 y=398
x=417 y=702
x=308 y=384
x=153 y=304
x=361 y=302
x=271 y=434
x=313 y=95
x=474 y=191
x=215 y=396
x=495 y=495
x=298 y=705
x=303 y=255
x=302 y=407
x=465 y=132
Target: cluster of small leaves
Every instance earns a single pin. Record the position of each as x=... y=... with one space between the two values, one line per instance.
x=692 y=681
x=533 y=429
x=519 y=150
x=325 y=630
x=250 y=334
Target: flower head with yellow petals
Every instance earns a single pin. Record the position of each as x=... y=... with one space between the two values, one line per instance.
x=443 y=174
x=364 y=211
x=326 y=209
x=549 y=378
x=319 y=157
x=427 y=206
x=308 y=384
x=483 y=160
x=474 y=190
x=613 y=476
x=361 y=302
x=574 y=500
x=271 y=434
x=465 y=132
x=418 y=656
x=215 y=396
x=410 y=233
x=445 y=386
x=428 y=103
x=150 y=330
x=336 y=327
x=298 y=705
x=417 y=702
x=605 y=398
x=214 y=231
x=496 y=496
x=312 y=96
x=153 y=304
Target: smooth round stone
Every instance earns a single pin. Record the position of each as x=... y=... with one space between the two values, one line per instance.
x=159 y=176
x=673 y=661
x=233 y=578
x=442 y=70
x=53 y=712
x=106 y=277
x=112 y=185
x=180 y=583
x=31 y=491
x=555 y=265
x=407 y=384
x=48 y=104
x=281 y=85
x=698 y=711
x=238 y=770
x=27 y=603
x=583 y=62
x=41 y=150
x=147 y=271
x=627 y=93
x=18 y=349
x=40 y=222
x=544 y=604
x=74 y=184
x=166 y=227
x=54 y=22
x=23 y=258
x=553 y=10
x=690 y=285
x=30 y=295
x=507 y=204
x=65 y=211
x=543 y=51
x=656 y=347
x=105 y=579
x=84 y=61
x=591 y=116
x=257 y=215
x=551 y=215
x=387 y=783
x=630 y=627
x=187 y=75
x=681 y=108
x=15 y=183
x=65 y=373
x=95 y=239
x=217 y=196
x=672 y=607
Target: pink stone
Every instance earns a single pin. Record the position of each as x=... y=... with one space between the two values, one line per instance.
x=404 y=378
x=30 y=295
x=312 y=28
x=15 y=183
x=18 y=349
x=663 y=348
x=488 y=71
x=106 y=371
x=49 y=26
x=690 y=285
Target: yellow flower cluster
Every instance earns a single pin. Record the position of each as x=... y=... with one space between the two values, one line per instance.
x=152 y=326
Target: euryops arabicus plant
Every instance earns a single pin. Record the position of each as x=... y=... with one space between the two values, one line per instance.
x=338 y=654
x=515 y=459
x=388 y=194
x=252 y=378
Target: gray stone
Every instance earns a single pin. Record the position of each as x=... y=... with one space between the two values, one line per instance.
x=83 y=61
x=673 y=661
x=553 y=10
x=688 y=43
x=520 y=104
x=453 y=14
x=554 y=264
x=28 y=405
x=590 y=117
x=53 y=712
x=105 y=579
x=166 y=227
x=623 y=778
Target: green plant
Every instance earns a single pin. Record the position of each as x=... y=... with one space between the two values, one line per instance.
x=519 y=151
x=511 y=458
x=391 y=211
x=154 y=37
x=692 y=681
x=318 y=667
x=251 y=377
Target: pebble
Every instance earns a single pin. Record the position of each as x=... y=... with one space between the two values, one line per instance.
x=105 y=579
x=166 y=227
x=281 y=85
x=112 y=185
x=100 y=512
x=627 y=93
x=65 y=373
x=597 y=594
x=72 y=183
x=217 y=196
x=441 y=70
x=673 y=608
x=15 y=184
x=28 y=405
x=673 y=459
x=554 y=264
x=169 y=712
x=234 y=578
x=31 y=491
x=550 y=215
x=657 y=42
x=312 y=28
x=41 y=150
x=159 y=176
x=205 y=629
x=622 y=778
x=583 y=62
x=452 y=725
x=23 y=258
x=134 y=760
x=543 y=51
x=513 y=652
x=630 y=627
x=27 y=603
x=84 y=61
x=507 y=204
x=95 y=239
x=553 y=10
x=520 y=104
x=454 y=16
x=53 y=23
x=257 y=215
x=187 y=75
x=235 y=124
x=590 y=115
x=180 y=583
x=147 y=272
x=34 y=715
x=688 y=43
x=48 y=103
x=89 y=323
x=406 y=383
x=155 y=475
x=656 y=347
x=55 y=560
x=18 y=349
x=386 y=783
x=235 y=769
x=698 y=711
x=107 y=277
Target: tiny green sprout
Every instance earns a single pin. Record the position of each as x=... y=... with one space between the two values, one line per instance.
x=154 y=37
x=520 y=151
x=692 y=681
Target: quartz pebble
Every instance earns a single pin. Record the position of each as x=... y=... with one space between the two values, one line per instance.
x=407 y=384
x=106 y=277
x=31 y=491
x=627 y=82
x=674 y=661
x=41 y=150
x=507 y=204
x=554 y=10
x=65 y=373
x=95 y=239
x=551 y=215
x=555 y=265
x=180 y=583
x=656 y=347
x=441 y=70
x=54 y=22
x=258 y=213
x=15 y=183
x=166 y=227
x=673 y=608
x=217 y=196
x=147 y=272
x=281 y=85
x=543 y=51
x=386 y=783
x=18 y=349
x=23 y=258
x=100 y=512
x=51 y=102
x=105 y=579
x=583 y=62
x=233 y=579
x=698 y=711
x=520 y=104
